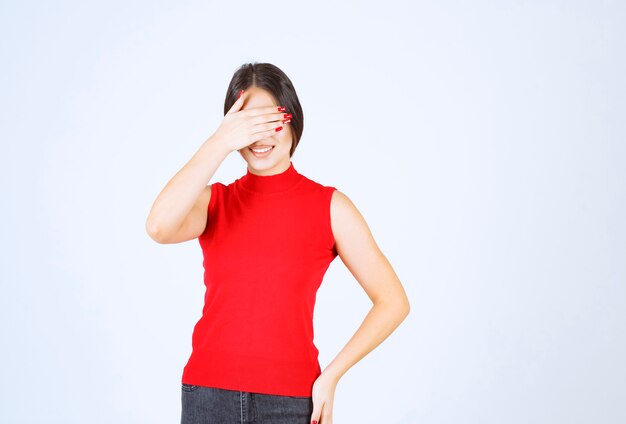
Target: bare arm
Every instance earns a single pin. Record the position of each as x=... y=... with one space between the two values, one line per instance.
x=186 y=192
x=361 y=255
x=179 y=211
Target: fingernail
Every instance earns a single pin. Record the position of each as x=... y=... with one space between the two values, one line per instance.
x=240 y=93
x=279 y=128
x=281 y=109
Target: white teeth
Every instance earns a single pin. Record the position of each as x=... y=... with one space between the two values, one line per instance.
x=262 y=150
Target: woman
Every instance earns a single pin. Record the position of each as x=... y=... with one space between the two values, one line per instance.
x=267 y=239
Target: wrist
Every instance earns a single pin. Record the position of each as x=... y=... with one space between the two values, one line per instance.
x=332 y=374
x=217 y=145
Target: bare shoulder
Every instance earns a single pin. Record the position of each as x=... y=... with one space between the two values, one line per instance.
x=347 y=223
x=340 y=202
x=342 y=207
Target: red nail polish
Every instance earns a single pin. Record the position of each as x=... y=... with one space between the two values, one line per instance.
x=281 y=109
x=286 y=121
x=287 y=115
x=279 y=128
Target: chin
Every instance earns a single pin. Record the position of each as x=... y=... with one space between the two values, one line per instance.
x=275 y=157
x=257 y=163
x=260 y=165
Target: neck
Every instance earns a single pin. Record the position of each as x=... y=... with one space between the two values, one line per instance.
x=273 y=183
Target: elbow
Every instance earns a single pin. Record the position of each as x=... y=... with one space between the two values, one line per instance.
x=406 y=307
x=399 y=305
x=154 y=231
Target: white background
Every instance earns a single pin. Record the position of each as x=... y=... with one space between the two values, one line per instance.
x=482 y=141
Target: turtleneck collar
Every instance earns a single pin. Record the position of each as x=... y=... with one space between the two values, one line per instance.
x=275 y=183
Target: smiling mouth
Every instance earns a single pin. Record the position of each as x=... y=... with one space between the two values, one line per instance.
x=261 y=150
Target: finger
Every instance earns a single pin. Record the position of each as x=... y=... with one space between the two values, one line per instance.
x=327 y=418
x=315 y=415
x=238 y=103
x=270 y=122
x=255 y=111
x=268 y=130
x=264 y=134
x=327 y=413
x=275 y=117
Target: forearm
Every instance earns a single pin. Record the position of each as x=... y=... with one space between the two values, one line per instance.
x=177 y=198
x=382 y=319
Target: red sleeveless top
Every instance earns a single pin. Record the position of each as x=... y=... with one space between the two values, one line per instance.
x=266 y=248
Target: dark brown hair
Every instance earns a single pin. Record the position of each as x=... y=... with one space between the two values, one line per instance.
x=270 y=78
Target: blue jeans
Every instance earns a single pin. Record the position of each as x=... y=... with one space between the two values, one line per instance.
x=210 y=405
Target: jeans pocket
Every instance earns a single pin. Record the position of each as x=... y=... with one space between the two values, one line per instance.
x=189 y=387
